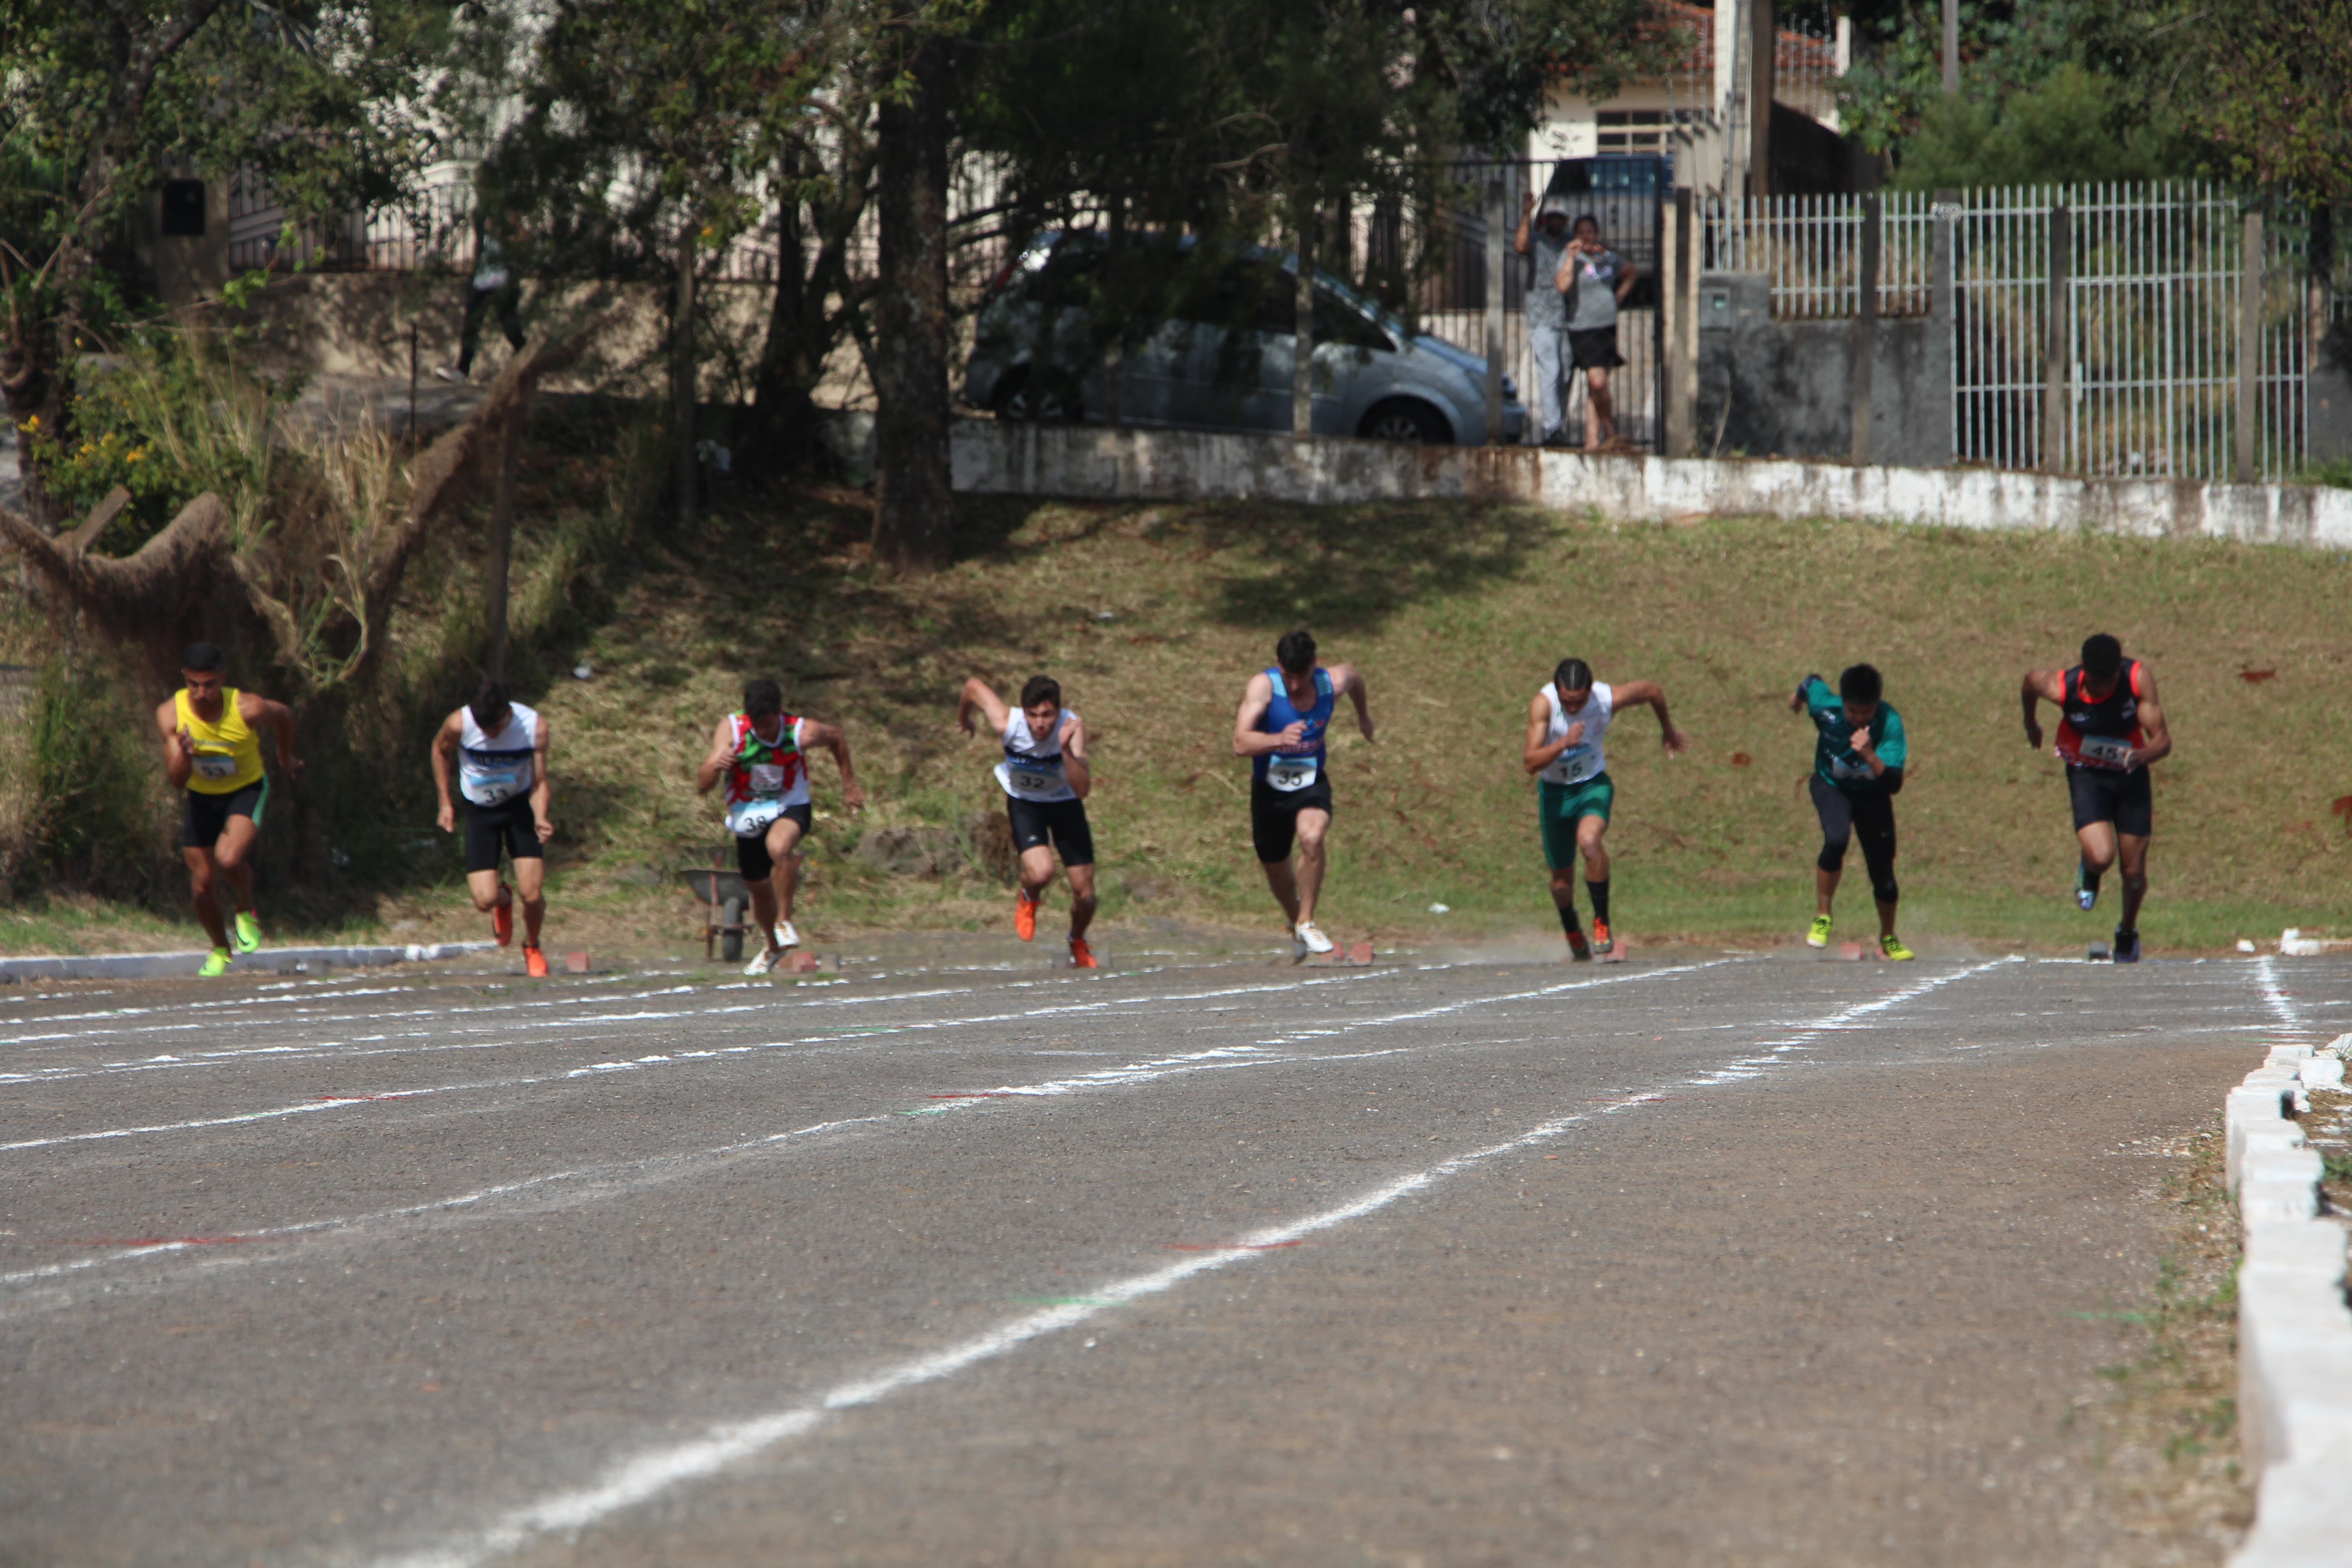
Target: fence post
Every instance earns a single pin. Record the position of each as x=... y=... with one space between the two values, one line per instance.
x=2250 y=349
x=2057 y=348
x=1943 y=305
x=1863 y=373
x=1681 y=329
x=1495 y=243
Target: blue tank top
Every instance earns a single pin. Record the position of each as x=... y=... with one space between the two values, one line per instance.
x=1306 y=757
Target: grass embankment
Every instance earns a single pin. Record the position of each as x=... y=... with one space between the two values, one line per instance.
x=1152 y=616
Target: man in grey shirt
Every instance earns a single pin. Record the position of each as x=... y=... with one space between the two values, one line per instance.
x=1594 y=280
x=1547 y=315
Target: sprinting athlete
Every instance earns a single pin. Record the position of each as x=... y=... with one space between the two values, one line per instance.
x=211 y=750
x=2110 y=728
x=501 y=751
x=1858 y=771
x=1284 y=710
x=1046 y=779
x=1568 y=723
x=762 y=754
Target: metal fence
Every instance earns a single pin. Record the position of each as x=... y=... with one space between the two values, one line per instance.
x=2151 y=315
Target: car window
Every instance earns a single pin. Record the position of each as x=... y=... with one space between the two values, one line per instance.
x=1336 y=321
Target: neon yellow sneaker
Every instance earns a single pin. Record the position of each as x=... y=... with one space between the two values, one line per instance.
x=216 y=964
x=1892 y=947
x=1819 y=936
x=248 y=935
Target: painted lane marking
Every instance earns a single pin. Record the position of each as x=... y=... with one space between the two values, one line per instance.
x=323 y=1103
x=650 y=1473
x=1844 y=1019
x=2267 y=980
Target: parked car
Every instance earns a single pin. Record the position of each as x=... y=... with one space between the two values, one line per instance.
x=1206 y=340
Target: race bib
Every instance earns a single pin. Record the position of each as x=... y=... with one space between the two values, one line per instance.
x=1287 y=774
x=1026 y=781
x=1576 y=766
x=752 y=817
x=2106 y=750
x=215 y=764
x=1848 y=772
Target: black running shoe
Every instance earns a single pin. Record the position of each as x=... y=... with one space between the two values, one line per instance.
x=2126 y=946
x=1577 y=947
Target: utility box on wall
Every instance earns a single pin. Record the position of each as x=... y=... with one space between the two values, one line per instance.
x=1784 y=388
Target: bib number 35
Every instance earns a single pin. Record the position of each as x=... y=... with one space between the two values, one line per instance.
x=1290 y=776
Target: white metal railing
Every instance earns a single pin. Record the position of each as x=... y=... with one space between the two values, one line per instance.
x=1809 y=248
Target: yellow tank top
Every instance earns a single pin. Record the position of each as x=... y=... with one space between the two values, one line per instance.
x=229 y=753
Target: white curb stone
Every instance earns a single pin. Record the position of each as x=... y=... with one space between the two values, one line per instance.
x=2294 y=1328
x=269 y=961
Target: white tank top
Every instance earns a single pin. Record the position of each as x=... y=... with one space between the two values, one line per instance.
x=494 y=769
x=1584 y=761
x=1029 y=772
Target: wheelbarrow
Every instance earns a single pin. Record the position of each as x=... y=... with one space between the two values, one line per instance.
x=727 y=904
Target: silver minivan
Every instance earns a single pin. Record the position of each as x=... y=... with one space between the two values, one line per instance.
x=1206 y=341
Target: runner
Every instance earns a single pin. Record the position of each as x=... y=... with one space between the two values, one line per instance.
x=1857 y=772
x=762 y=754
x=1046 y=784
x=501 y=751
x=1566 y=724
x=212 y=748
x=1285 y=709
x=2110 y=728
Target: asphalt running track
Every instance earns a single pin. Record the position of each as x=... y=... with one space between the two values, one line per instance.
x=1728 y=1258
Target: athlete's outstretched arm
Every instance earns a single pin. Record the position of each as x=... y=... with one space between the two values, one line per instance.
x=542 y=788
x=978 y=694
x=1639 y=693
x=1346 y=677
x=1797 y=697
x=179 y=763
x=2157 y=732
x=2037 y=686
x=1249 y=741
x=1077 y=771
x=722 y=752
x=260 y=710
x=444 y=746
x=835 y=738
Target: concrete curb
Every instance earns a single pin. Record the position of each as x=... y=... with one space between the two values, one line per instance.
x=268 y=961
x=2294 y=1328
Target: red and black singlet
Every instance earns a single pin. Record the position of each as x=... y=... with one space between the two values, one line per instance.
x=2100 y=734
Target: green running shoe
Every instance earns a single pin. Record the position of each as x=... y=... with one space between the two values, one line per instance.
x=248 y=933
x=1819 y=936
x=216 y=964
x=1892 y=947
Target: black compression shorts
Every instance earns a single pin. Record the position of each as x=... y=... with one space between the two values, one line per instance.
x=508 y=826
x=1867 y=814
x=1273 y=815
x=1061 y=822
x=208 y=816
x=751 y=857
x=2103 y=795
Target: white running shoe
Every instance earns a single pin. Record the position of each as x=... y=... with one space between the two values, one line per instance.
x=1309 y=935
x=763 y=963
x=785 y=935
x=449 y=373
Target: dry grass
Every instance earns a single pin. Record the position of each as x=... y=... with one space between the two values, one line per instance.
x=1153 y=617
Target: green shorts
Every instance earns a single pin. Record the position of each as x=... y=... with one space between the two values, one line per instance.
x=1560 y=807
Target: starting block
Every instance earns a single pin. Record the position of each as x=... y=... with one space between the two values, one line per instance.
x=2098 y=953
x=575 y=963
x=799 y=961
x=1344 y=955
x=1616 y=955
x=1849 y=952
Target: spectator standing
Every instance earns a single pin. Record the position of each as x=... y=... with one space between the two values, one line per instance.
x=1547 y=315
x=493 y=287
x=1594 y=281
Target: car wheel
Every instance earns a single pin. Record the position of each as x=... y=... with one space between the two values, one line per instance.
x=1040 y=401
x=1404 y=419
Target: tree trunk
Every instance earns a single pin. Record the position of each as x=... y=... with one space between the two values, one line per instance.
x=682 y=389
x=34 y=390
x=1302 y=348
x=780 y=434
x=914 y=509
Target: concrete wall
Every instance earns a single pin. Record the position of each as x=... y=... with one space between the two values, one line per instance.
x=2330 y=414
x=993 y=458
x=1769 y=388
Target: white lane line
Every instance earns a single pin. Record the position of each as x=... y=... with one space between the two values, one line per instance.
x=2267 y=980
x=325 y=1102
x=1844 y=1018
x=648 y=1475
x=1215 y=1059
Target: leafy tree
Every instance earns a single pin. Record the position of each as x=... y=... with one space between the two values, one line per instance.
x=2074 y=126
x=327 y=101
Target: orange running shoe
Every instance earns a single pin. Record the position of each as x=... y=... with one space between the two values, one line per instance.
x=1081 y=955
x=502 y=916
x=1603 y=943
x=534 y=963
x=1025 y=916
